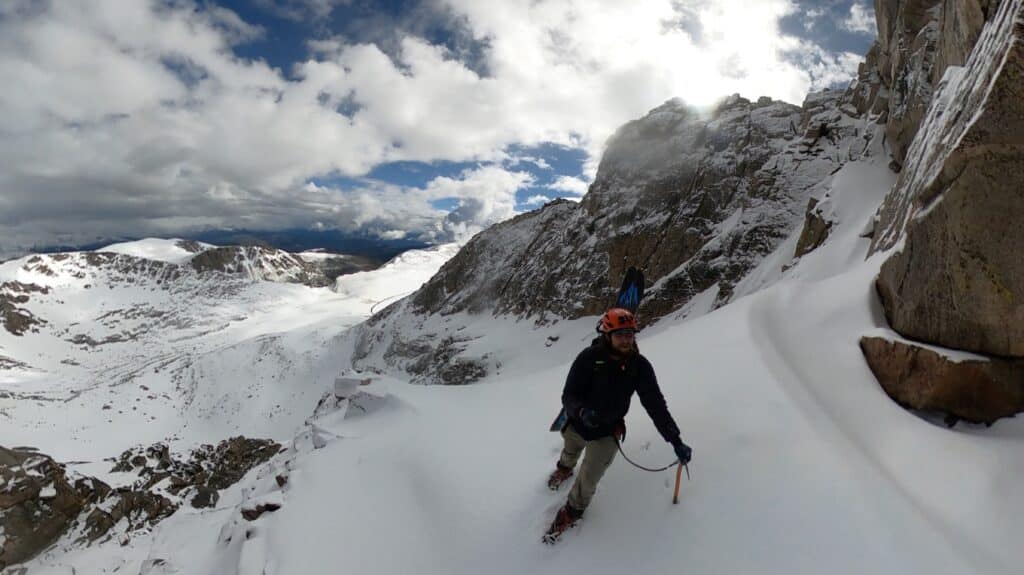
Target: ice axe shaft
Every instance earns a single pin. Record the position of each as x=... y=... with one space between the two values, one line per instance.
x=679 y=475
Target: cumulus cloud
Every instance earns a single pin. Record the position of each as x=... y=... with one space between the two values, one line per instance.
x=811 y=17
x=539 y=162
x=861 y=19
x=826 y=69
x=139 y=117
x=485 y=195
x=536 y=201
x=570 y=185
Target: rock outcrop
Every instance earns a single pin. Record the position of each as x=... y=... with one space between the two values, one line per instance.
x=37 y=504
x=208 y=469
x=815 y=231
x=41 y=503
x=18 y=320
x=259 y=263
x=977 y=391
x=955 y=278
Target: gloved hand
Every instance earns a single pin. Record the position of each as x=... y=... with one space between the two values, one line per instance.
x=588 y=417
x=683 y=451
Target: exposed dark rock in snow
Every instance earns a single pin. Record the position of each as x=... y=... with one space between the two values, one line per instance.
x=333 y=266
x=190 y=246
x=18 y=320
x=37 y=504
x=254 y=513
x=816 y=228
x=259 y=263
x=8 y=363
x=40 y=502
x=427 y=355
x=977 y=391
x=208 y=470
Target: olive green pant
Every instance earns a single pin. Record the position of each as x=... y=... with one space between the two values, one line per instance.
x=599 y=455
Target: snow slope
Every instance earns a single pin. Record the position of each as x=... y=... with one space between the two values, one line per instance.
x=163 y=250
x=132 y=354
x=802 y=464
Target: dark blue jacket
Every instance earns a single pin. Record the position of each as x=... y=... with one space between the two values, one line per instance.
x=598 y=381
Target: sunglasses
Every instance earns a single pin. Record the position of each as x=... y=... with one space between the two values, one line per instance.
x=623 y=332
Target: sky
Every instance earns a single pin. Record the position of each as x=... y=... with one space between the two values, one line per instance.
x=413 y=119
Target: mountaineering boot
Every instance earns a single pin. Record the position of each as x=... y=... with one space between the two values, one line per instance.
x=558 y=476
x=566 y=517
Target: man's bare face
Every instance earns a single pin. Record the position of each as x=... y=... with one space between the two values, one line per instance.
x=622 y=341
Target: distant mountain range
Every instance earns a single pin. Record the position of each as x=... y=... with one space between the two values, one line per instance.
x=292 y=240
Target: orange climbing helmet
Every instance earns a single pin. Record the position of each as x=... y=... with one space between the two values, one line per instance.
x=615 y=319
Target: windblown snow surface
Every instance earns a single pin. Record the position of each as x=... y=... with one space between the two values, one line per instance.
x=801 y=463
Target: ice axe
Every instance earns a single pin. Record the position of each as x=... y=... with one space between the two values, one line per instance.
x=679 y=475
x=679 y=470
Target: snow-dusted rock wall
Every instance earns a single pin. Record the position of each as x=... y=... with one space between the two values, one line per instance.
x=956 y=278
x=917 y=41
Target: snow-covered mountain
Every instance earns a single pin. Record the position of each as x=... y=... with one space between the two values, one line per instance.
x=765 y=227
x=161 y=296
x=152 y=314
x=698 y=201
x=139 y=352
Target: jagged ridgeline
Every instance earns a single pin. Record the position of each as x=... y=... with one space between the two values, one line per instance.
x=697 y=200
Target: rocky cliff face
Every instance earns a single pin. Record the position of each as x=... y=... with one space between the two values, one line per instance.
x=696 y=200
x=269 y=264
x=955 y=278
x=917 y=41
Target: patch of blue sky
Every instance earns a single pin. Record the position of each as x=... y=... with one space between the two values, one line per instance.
x=288 y=26
x=534 y=197
x=556 y=159
x=418 y=174
x=283 y=42
x=822 y=22
x=546 y=163
x=446 y=204
x=386 y=22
